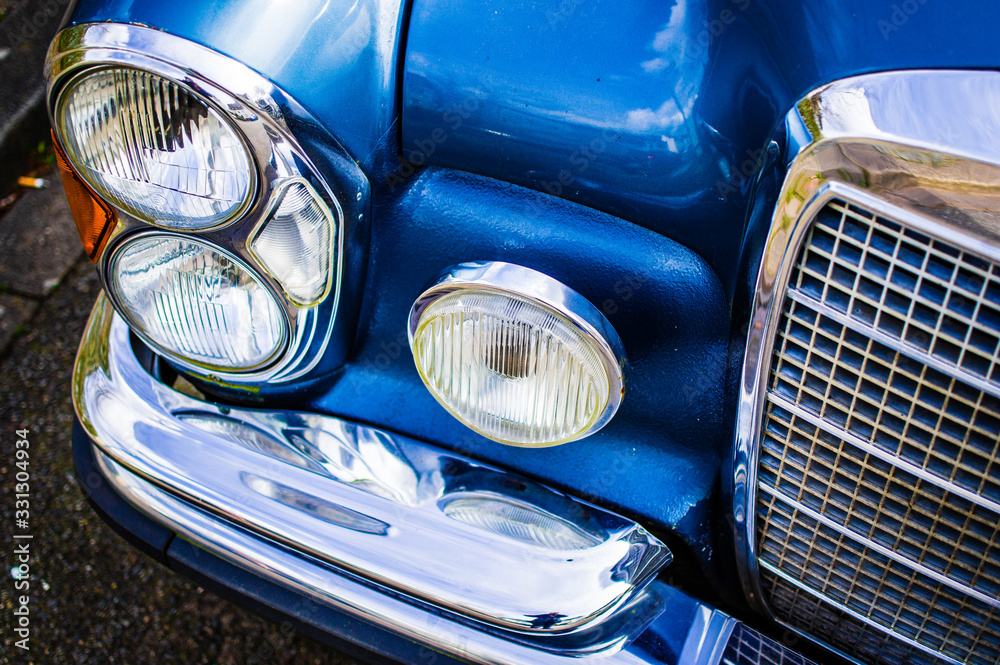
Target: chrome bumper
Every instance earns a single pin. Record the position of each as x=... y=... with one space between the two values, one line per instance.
x=458 y=556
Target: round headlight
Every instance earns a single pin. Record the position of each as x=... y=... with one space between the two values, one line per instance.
x=516 y=355
x=154 y=148
x=196 y=303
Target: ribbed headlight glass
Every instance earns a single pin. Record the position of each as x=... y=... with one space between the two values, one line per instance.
x=295 y=245
x=510 y=368
x=154 y=148
x=196 y=303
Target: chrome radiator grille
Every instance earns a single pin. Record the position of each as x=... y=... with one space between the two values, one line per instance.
x=878 y=478
x=747 y=647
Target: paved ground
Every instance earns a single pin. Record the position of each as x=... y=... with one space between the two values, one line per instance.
x=93 y=598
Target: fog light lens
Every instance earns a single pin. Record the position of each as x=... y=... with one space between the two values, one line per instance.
x=154 y=149
x=517 y=356
x=196 y=303
x=519 y=520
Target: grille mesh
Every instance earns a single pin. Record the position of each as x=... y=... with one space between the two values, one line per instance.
x=747 y=647
x=878 y=500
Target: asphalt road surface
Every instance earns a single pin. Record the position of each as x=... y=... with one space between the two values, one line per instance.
x=93 y=598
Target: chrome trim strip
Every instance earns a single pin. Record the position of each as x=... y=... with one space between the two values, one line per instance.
x=868 y=141
x=485 y=544
x=257 y=111
x=317 y=581
x=763 y=328
x=708 y=637
x=885 y=456
x=893 y=343
x=550 y=293
x=704 y=637
x=858 y=616
x=881 y=549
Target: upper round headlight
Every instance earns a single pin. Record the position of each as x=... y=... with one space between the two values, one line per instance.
x=154 y=148
x=196 y=303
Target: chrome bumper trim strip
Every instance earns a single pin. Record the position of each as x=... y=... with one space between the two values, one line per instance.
x=704 y=637
x=484 y=544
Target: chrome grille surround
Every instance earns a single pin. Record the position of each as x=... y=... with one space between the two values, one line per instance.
x=867 y=460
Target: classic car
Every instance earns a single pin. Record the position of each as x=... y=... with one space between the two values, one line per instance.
x=624 y=332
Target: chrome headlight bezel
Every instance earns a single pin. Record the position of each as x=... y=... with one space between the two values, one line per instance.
x=260 y=115
x=545 y=294
x=210 y=97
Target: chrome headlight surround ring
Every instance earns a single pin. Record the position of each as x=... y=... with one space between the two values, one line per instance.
x=259 y=113
x=215 y=99
x=867 y=141
x=123 y=242
x=549 y=294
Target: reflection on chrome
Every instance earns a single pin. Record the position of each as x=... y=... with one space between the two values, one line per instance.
x=246 y=435
x=315 y=507
x=251 y=104
x=363 y=457
x=518 y=520
x=440 y=528
x=882 y=151
x=654 y=627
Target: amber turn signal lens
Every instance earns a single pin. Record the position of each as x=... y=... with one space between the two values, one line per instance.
x=94 y=218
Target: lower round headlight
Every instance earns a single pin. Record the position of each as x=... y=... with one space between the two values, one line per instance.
x=516 y=355
x=196 y=303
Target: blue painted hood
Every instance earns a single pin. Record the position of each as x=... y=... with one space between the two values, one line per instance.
x=337 y=58
x=656 y=112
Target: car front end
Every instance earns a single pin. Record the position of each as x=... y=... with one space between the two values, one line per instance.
x=622 y=333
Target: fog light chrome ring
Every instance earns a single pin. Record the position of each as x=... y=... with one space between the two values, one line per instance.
x=546 y=295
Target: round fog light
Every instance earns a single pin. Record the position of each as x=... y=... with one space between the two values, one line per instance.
x=516 y=355
x=196 y=303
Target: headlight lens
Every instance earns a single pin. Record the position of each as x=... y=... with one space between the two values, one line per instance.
x=154 y=149
x=196 y=303
x=513 y=369
x=295 y=245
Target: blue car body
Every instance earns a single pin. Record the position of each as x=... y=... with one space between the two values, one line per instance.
x=632 y=150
